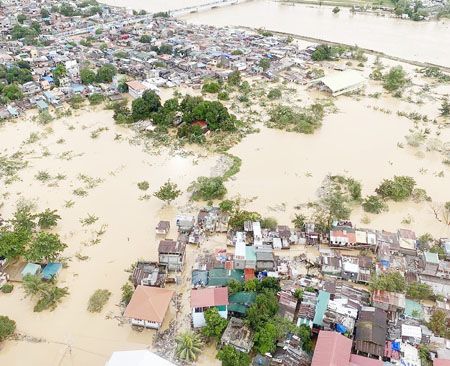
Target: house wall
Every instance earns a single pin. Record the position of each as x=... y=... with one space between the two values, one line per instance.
x=174 y=262
x=198 y=318
x=145 y=323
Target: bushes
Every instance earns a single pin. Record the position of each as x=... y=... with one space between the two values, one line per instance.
x=389 y=281
x=7 y=288
x=274 y=94
x=7 y=327
x=374 y=204
x=305 y=120
x=206 y=189
x=98 y=299
x=269 y=223
x=419 y=291
x=395 y=79
x=95 y=99
x=127 y=293
x=211 y=87
x=398 y=189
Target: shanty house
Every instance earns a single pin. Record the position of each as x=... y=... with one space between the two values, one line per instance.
x=148 y=306
x=205 y=298
x=332 y=349
x=237 y=335
x=172 y=254
x=163 y=228
x=371 y=329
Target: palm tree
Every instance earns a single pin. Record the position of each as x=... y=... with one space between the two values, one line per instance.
x=33 y=285
x=188 y=346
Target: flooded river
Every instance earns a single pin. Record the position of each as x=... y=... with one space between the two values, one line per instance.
x=418 y=41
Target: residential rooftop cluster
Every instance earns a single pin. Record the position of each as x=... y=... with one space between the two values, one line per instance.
x=337 y=294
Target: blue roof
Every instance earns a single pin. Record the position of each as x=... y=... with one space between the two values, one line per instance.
x=31 y=269
x=51 y=270
x=77 y=88
x=48 y=78
x=321 y=307
x=41 y=104
x=49 y=95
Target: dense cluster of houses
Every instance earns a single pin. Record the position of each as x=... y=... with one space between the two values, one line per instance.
x=172 y=53
x=352 y=325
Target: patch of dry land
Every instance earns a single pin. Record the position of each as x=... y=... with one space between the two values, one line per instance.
x=100 y=163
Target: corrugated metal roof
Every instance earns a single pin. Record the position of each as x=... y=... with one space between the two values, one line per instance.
x=207 y=297
x=321 y=307
x=332 y=349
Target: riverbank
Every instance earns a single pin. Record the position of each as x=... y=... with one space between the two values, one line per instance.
x=406 y=40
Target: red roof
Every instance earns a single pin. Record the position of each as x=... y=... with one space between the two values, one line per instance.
x=201 y=124
x=249 y=274
x=207 y=297
x=332 y=349
x=441 y=362
x=357 y=360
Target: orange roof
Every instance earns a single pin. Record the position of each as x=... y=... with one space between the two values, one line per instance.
x=136 y=85
x=206 y=297
x=149 y=303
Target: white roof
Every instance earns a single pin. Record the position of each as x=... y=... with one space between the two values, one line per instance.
x=137 y=358
x=351 y=267
x=411 y=331
x=342 y=80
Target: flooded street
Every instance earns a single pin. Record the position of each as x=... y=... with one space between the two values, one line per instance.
x=418 y=41
x=128 y=218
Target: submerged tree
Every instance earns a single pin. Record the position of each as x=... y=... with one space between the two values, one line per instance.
x=168 y=192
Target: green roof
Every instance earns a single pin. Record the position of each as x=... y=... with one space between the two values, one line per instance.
x=242 y=298
x=413 y=309
x=220 y=277
x=240 y=301
x=432 y=257
x=321 y=307
x=237 y=308
x=250 y=254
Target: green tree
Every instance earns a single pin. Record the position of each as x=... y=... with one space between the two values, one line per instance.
x=395 y=79
x=87 y=76
x=274 y=94
x=398 y=189
x=58 y=72
x=44 y=13
x=323 y=52
x=206 y=189
x=140 y=110
x=264 y=63
x=215 y=324
x=45 y=247
x=33 y=285
x=263 y=310
x=153 y=100
x=211 y=87
x=48 y=218
x=168 y=192
x=419 y=291
x=12 y=92
x=21 y=18
x=438 y=323
x=232 y=357
x=189 y=346
x=145 y=38
x=13 y=243
x=374 y=204
x=299 y=221
x=127 y=293
x=98 y=300
x=106 y=73
x=269 y=223
x=389 y=281
x=238 y=218
x=234 y=78
x=266 y=337
x=7 y=327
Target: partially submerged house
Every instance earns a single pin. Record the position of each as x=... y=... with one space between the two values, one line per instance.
x=148 y=306
x=237 y=335
x=163 y=228
x=51 y=271
x=149 y=274
x=341 y=82
x=137 y=358
x=205 y=298
x=172 y=254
